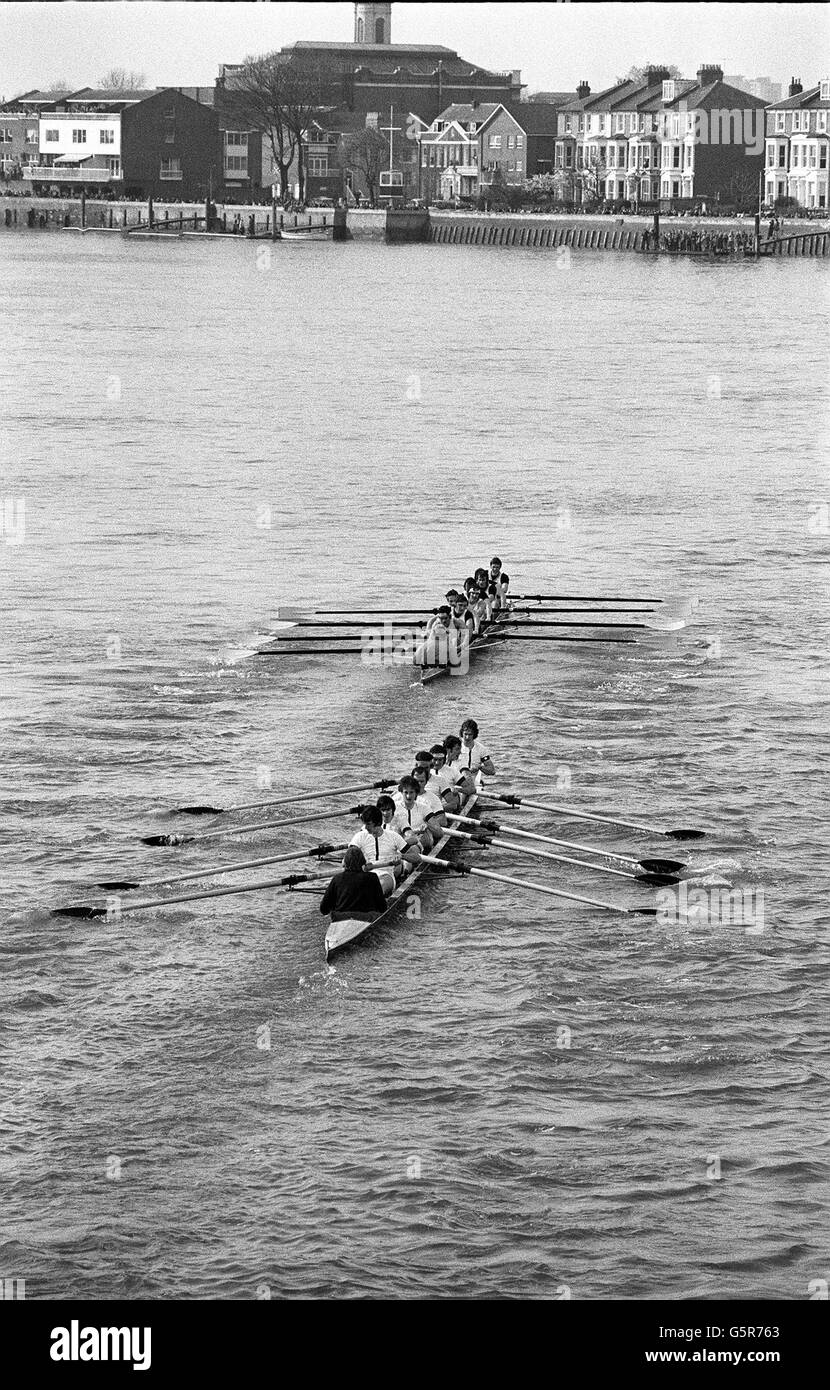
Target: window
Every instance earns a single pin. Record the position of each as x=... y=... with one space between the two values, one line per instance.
x=391 y=178
x=371 y=120
x=236 y=138
x=495 y=142
x=824 y=89
x=821 y=120
x=568 y=156
x=675 y=189
x=770 y=154
x=782 y=156
x=31 y=137
x=669 y=89
x=171 y=169
x=115 y=167
x=78 y=136
x=235 y=164
x=318 y=166
x=612 y=156
x=52 y=136
x=589 y=124
x=822 y=157
x=520 y=140
x=5 y=136
x=675 y=157
x=812 y=156
x=106 y=136
x=511 y=142
x=473 y=127
x=780 y=118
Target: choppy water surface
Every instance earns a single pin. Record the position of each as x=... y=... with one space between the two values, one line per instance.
x=200 y=436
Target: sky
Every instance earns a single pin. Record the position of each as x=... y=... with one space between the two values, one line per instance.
x=183 y=42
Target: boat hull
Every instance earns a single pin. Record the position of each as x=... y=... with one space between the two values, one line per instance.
x=343 y=934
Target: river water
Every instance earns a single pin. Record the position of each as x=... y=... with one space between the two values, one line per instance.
x=509 y=1095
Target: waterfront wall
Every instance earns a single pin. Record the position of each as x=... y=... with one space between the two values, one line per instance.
x=540 y=231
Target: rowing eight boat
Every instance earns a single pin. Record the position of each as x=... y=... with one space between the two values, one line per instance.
x=350 y=929
x=484 y=639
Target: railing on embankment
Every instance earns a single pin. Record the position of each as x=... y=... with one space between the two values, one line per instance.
x=802 y=244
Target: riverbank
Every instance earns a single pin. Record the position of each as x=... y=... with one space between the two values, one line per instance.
x=591 y=232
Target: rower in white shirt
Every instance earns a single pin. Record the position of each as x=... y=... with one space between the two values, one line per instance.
x=442 y=640
x=386 y=852
x=408 y=818
x=474 y=756
x=429 y=802
x=453 y=746
x=446 y=781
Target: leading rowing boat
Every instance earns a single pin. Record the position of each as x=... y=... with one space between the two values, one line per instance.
x=487 y=638
x=350 y=929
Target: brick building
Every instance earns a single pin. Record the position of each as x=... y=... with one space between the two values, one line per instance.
x=798 y=147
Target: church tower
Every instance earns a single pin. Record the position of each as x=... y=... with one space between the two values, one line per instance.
x=373 y=24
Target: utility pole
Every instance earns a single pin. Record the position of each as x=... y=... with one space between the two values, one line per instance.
x=391 y=128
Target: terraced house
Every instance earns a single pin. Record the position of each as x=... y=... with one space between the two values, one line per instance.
x=659 y=138
x=470 y=147
x=798 y=147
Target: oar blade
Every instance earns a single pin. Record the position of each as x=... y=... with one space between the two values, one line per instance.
x=118 y=886
x=685 y=834
x=642 y=911
x=79 y=910
x=198 y=811
x=662 y=866
x=658 y=880
x=161 y=839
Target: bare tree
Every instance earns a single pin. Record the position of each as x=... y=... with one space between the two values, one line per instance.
x=592 y=177
x=122 y=80
x=58 y=86
x=367 y=152
x=278 y=96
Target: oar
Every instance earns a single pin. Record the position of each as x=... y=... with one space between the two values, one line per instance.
x=357 y=622
x=585 y=598
x=115 y=885
x=309 y=651
x=288 y=882
x=459 y=868
x=672 y=625
x=245 y=829
x=297 y=617
x=488 y=840
x=652 y=866
x=510 y=800
x=286 y=800
x=553 y=637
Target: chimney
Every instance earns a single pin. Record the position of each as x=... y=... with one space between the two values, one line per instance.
x=654 y=75
x=709 y=72
x=475 y=104
x=583 y=90
x=795 y=88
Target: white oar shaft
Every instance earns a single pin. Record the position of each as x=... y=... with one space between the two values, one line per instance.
x=539 y=887
x=546 y=854
x=552 y=840
x=303 y=796
x=266 y=825
x=213 y=893
x=581 y=815
x=241 y=864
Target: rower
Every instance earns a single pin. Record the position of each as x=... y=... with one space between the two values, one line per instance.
x=389 y=810
x=467 y=785
x=442 y=640
x=445 y=780
x=386 y=852
x=429 y=802
x=463 y=615
x=498 y=576
x=481 y=608
x=474 y=756
x=353 y=892
x=409 y=819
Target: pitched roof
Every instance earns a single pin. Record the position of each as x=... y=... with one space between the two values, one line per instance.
x=465 y=111
x=811 y=98
x=711 y=96
x=535 y=117
x=105 y=96
x=551 y=98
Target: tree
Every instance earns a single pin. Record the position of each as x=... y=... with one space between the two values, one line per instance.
x=278 y=96
x=59 y=86
x=122 y=80
x=743 y=188
x=592 y=177
x=367 y=152
x=636 y=74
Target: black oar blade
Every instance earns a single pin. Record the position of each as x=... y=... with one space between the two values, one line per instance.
x=161 y=839
x=198 y=811
x=660 y=880
x=642 y=911
x=118 y=886
x=686 y=834
x=77 y=910
x=662 y=866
